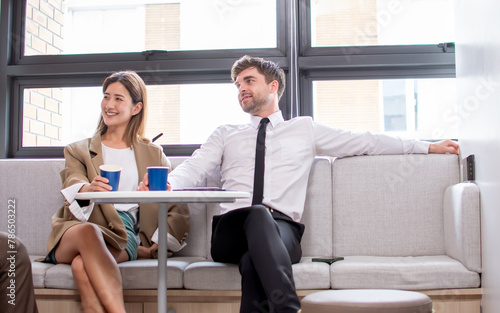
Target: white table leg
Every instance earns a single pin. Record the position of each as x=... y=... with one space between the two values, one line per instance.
x=162 y=257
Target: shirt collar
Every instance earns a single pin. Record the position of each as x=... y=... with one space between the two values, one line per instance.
x=275 y=119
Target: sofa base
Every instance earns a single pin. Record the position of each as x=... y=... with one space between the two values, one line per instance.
x=227 y=301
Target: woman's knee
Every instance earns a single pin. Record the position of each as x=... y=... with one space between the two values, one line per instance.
x=77 y=238
x=85 y=233
x=89 y=230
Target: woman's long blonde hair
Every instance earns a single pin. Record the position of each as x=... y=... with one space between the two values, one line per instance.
x=137 y=90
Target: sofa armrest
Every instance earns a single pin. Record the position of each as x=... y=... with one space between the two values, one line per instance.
x=462 y=225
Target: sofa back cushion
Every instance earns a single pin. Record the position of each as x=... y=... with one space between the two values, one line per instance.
x=35 y=186
x=199 y=216
x=317 y=217
x=317 y=239
x=391 y=205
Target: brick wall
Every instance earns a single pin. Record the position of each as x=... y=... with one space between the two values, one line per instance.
x=42 y=125
x=44 y=25
x=163 y=33
x=42 y=117
x=351 y=104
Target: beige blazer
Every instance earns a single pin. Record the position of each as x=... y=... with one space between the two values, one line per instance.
x=83 y=159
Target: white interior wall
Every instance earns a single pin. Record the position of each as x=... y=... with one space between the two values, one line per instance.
x=478 y=79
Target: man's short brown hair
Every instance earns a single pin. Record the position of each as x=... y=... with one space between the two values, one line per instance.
x=269 y=69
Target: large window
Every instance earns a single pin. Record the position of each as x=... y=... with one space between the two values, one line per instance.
x=371 y=65
x=381 y=22
x=368 y=65
x=59 y=116
x=95 y=26
x=420 y=109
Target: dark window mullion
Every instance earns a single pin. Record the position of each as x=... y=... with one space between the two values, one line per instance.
x=336 y=62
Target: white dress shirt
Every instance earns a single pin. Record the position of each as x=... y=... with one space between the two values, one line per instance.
x=290 y=150
x=129 y=176
x=128 y=181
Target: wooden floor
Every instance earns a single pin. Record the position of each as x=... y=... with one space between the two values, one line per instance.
x=194 y=301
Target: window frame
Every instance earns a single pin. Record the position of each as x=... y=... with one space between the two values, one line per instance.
x=302 y=63
x=366 y=62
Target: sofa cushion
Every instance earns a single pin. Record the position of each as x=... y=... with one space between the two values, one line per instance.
x=59 y=277
x=311 y=275
x=317 y=239
x=196 y=241
x=221 y=276
x=35 y=202
x=138 y=274
x=391 y=205
x=143 y=274
x=211 y=275
x=409 y=273
x=38 y=271
x=200 y=219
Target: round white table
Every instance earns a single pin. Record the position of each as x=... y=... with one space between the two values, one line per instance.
x=163 y=198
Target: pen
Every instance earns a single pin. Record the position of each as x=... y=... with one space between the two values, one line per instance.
x=157 y=136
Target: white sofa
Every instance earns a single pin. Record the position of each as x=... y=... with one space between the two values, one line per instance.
x=400 y=222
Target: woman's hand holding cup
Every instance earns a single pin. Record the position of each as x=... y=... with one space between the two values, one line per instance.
x=98 y=184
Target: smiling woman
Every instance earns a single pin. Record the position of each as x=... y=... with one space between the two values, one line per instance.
x=81 y=233
x=124 y=110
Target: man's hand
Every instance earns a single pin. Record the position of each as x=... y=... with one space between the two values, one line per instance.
x=145 y=253
x=144 y=184
x=445 y=146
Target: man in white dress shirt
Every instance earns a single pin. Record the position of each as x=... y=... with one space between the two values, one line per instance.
x=263 y=237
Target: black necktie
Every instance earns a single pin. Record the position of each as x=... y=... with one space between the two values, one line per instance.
x=260 y=151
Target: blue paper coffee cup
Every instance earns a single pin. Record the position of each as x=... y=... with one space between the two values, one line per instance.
x=112 y=173
x=157 y=176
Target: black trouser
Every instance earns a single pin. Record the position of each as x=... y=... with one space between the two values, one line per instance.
x=265 y=246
